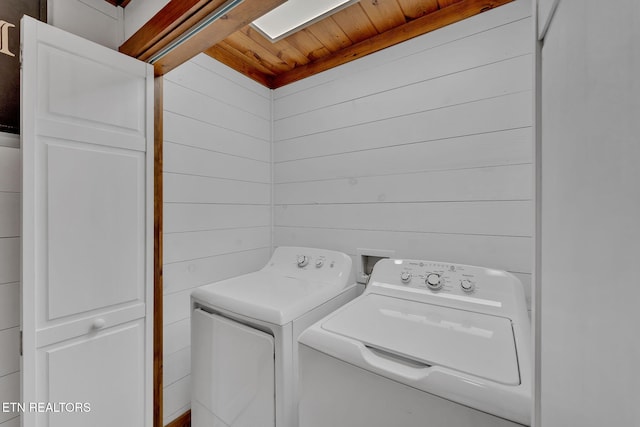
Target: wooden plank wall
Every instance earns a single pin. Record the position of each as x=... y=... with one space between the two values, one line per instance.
x=94 y=20
x=424 y=148
x=9 y=281
x=217 y=197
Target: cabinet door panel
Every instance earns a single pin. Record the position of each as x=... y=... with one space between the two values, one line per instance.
x=87 y=231
x=104 y=370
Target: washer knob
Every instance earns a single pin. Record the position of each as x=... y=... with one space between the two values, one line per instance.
x=319 y=263
x=405 y=277
x=467 y=285
x=433 y=281
x=302 y=261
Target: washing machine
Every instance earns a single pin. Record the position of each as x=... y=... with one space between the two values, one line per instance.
x=243 y=336
x=428 y=344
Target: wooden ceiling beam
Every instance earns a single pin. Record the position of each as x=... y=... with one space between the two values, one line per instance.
x=180 y=15
x=163 y=26
x=448 y=15
x=245 y=13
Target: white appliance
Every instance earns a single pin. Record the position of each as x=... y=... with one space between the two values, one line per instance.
x=427 y=344
x=244 y=331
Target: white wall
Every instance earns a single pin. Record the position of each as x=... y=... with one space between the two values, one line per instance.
x=9 y=280
x=590 y=269
x=217 y=197
x=545 y=11
x=138 y=12
x=424 y=148
x=94 y=20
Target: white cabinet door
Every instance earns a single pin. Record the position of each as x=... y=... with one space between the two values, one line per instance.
x=87 y=248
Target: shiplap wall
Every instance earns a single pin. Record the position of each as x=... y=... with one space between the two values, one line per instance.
x=137 y=13
x=9 y=281
x=94 y=20
x=424 y=148
x=217 y=197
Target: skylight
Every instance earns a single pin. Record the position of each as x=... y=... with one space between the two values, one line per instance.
x=294 y=15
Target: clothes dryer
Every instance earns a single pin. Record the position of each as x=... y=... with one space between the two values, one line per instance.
x=244 y=332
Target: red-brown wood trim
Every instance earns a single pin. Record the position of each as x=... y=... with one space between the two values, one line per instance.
x=180 y=15
x=183 y=420
x=157 y=251
x=240 y=16
x=160 y=25
x=427 y=23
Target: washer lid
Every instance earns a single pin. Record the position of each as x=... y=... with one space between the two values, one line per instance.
x=268 y=296
x=465 y=341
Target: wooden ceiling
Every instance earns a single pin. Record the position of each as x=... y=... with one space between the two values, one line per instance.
x=358 y=30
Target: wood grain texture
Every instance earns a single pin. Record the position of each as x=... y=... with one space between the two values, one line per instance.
x=233 y=21
x=422 y=25
x=351 y=33
x=354 y=21
x=358 y=30
x=157 y=254
x=384 y=14
x=183 y=420
x=413 y=9
x=176 y=12
x=235 y=59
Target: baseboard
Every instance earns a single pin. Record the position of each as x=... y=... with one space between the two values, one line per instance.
x=183 y=420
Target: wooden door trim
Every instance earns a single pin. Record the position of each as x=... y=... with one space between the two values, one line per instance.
x=158 y=342
x=180 y=15
x=183 y=420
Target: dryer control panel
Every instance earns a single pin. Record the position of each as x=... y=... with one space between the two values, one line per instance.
x=464 y=284
x=311 y=264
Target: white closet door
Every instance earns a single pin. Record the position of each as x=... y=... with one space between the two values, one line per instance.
x=87 y=249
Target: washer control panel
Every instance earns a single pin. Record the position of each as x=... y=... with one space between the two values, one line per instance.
x=458 y=281
x=434 y=276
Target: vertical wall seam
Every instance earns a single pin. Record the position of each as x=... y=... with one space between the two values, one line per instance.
x=547 y=22
x=536 y=290
x=271 y=163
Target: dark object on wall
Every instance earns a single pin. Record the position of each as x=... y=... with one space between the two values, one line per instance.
x=11 y=12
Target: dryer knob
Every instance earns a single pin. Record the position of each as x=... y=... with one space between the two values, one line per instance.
x=433 y=281
x=302 y=261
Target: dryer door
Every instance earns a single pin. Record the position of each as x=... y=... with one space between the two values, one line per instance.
x=232 y=373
